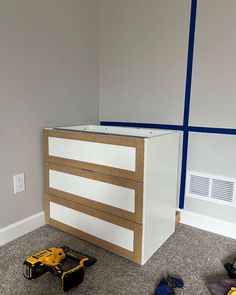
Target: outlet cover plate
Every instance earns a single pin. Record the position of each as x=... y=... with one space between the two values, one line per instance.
x=19 y=183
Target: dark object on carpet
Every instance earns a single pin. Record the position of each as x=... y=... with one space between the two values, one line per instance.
x=231 y=269
x=221 y=287
x=175 y=282
x=163 y=288
x=167 y=286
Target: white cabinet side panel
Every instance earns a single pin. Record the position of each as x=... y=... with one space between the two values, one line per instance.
x=110 y=194
x=116 y=156
x=160 y=190
x=102 y=229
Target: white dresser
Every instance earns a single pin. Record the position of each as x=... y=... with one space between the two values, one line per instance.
x=115 y=187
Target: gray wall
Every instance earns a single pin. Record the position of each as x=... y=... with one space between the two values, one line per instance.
x=213 y=98
x=48 y=77
x=143 y=58
x=143 y=53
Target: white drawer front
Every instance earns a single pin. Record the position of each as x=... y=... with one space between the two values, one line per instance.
x=115 y=156
x=103 y=192
x=102 y=229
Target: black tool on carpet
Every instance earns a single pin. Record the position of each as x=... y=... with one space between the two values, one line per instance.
x=231 y=269
x=167 y=285
x=53 y=260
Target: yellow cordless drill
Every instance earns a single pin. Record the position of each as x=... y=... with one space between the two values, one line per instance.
x=51 y=259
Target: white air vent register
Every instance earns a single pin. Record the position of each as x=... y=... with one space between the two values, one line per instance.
x=211 y=188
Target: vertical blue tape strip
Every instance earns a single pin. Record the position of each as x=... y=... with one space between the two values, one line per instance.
x=184 y=169
x=187 y=101
x=190 y=62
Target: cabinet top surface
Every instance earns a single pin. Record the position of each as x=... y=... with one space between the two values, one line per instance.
x=125 y=131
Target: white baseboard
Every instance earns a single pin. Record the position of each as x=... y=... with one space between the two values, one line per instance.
x=221 y=227
x=21 y=228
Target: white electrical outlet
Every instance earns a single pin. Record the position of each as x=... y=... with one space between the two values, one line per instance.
x=19 y=183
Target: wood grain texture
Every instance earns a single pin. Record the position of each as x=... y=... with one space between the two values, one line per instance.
x=177 y=218
x=93 y=212
x=45 y=145
x=130 y=141
x=137 y=254
x=137 y=143
x=134 y=256
x=92 y=239
x=139 y=163
x=138 y=187
x=46 y=208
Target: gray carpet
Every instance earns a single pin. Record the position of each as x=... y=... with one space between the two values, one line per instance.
x=193 y=254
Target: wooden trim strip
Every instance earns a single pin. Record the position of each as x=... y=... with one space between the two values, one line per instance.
x=93 y=175
x=46 y=208
x=99 y=138
x=45 y=145
x=93 y=212
x=92 y=239
x=94 y=137
x=94 y=167
x=137 y=254
x=134 y=256
x=139 y=162
x=138 y=187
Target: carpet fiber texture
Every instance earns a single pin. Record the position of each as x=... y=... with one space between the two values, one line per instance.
x=195 y=255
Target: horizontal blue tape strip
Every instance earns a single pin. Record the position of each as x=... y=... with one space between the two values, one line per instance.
x=212 y=130
x=142 y=125
x=172 y=127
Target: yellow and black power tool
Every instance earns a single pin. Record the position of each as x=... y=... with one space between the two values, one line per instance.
x=51 y=260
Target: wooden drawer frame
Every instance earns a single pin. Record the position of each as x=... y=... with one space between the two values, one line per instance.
x=136 y=186
x=137 y=143
x=136 y=228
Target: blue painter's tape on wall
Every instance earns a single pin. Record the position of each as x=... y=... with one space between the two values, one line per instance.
x=142 y=125
x=187 y=102
x=227 y=131
x=190 y=62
